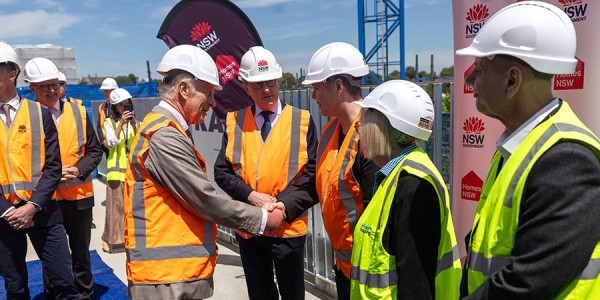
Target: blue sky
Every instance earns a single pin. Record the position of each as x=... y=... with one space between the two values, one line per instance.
x=112 y=38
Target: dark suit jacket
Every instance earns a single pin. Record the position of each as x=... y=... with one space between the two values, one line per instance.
x=51 y=174
x=91 y=159
x=237 y=189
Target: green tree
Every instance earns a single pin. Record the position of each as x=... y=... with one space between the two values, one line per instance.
x=287 y=81
x=410 y=73
x=394 y=75
x=423 y=74
x=126 y=79
x=447 y=72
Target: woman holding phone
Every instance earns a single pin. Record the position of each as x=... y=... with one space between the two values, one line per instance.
x=120 y=130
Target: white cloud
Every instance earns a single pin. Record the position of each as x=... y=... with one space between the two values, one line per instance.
x=48 y=3
x=337 y=4
x=259 y=3
x=5 y=2
x=161 y=12
x=39 y=23
x=110 y=32
x=91 y=3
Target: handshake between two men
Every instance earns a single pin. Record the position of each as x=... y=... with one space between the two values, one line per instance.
x=276 y=210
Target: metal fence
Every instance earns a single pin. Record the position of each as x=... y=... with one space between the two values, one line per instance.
x=318 y=258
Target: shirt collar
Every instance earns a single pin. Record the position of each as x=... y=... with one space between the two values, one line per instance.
x=178 y=116
x=508 y=142
x=387 y=169
x=56 y=106
x=15 y=102
x=277 y=109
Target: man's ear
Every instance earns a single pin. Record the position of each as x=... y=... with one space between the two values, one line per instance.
x=339 y=86
x=514 y=80
x=183 y=88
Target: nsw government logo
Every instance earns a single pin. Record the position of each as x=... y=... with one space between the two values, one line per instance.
x=263 y=66
x=575 y=9
x=473 y=136
x=205 y=38
x=476 y=17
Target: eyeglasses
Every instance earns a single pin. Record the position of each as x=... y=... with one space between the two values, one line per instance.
x=357 y=125
x=62 y=83
x=46 y=87
x=259 y=85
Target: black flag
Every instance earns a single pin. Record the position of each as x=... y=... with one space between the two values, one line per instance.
x=221 y=29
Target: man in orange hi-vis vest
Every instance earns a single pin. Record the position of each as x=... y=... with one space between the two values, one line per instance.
x=343 y=183
x=80 y=154
x=268 y=149
x=30 y=171
x=171 y=208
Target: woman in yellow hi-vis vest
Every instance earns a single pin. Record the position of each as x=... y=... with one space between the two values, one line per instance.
x=404 y=242
x=120 y=131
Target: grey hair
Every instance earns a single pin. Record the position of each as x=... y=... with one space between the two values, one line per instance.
x=168 y=89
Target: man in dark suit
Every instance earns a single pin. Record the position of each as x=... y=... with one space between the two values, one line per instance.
x=80 y=154
x=267 y=149
x=29 y=176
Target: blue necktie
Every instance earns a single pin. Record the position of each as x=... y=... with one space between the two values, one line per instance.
x=266 y=127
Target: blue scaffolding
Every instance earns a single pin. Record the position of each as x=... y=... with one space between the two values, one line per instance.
x=385 y=16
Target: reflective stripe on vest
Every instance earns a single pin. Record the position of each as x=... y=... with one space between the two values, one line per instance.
x=179 y=246
x=261 y=165
x=72 y=141
x=117 y=156
x=375 y=219
x=26 y=131
x=496 y=220
x=340 y=196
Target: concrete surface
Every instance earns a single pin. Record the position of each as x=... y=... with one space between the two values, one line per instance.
x=229 y=275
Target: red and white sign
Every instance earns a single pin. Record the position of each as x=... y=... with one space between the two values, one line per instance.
x=228 y=68
x=470 y=188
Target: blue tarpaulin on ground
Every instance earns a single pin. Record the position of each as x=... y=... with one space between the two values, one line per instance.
x=90 y=92
x=108 y=285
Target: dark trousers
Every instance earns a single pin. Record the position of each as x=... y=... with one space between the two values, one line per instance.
x=260 y=253
x=78 y=225
x=50 y=244
x=342 y=284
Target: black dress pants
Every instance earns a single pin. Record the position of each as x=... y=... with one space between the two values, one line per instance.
x=259 y=254
x=50 y=244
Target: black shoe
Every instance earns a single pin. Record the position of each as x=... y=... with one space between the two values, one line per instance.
x=93 y=225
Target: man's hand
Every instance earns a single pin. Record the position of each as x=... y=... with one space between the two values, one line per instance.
x=259 y=199
x=272 y=206
x=69 y=173
x=22 y=217
x=274 y=219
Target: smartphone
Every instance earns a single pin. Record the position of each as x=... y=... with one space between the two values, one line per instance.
x=128 y=107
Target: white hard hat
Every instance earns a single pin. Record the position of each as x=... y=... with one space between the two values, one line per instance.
x=119 y=95
x=259 y=64
x=193 y=60
x=538 y=33
x=8 y=54
x=109 y=84
x=406 y=105
x=335 y=59
x=62 y=77
x=40 y=69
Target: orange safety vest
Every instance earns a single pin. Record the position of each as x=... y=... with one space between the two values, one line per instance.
x=339 y=194
x=72 y=141
x=23 y=152
x=165 y=242
x=102 y=114
x=268 y=167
